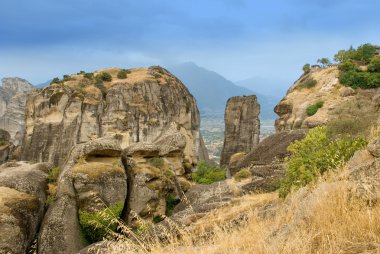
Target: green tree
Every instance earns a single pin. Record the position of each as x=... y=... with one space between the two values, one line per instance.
x=343 y=55
x=365 y=52
x=324 y=61
x=306 y=68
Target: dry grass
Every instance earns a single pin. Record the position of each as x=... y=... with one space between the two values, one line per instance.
x=320 y=220
x=96 y=169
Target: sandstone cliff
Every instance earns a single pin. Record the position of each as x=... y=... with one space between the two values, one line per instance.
x=136 y=108
x=338 y=101
x=242 y=126
x=13 y=94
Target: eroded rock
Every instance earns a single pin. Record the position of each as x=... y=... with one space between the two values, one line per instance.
x=136 y=109
x=22 y=204
x=242 y=126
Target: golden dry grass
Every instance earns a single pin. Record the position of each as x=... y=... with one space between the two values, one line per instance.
x=327 y=221
x=96 y=169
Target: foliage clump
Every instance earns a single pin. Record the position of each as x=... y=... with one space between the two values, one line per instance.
x=314 y=155
x=242 y=174
x=207 y=174
x=104 y=76
x=98 y=225
x=156 y=162
x=88 y=75
x=122 y=74
x=171 y=202
x=351 y=68
x=307 y=83
x=53 y=175
x=313 y=108
x=55 y=81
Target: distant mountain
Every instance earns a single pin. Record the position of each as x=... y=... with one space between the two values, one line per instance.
x=272 y=87
x=43 y=85
x=211 y=90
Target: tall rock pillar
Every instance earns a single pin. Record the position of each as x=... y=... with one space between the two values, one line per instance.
x=242 y=126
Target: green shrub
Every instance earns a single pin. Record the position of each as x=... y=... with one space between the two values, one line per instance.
x=242 y=174
x=157 y=219
x=104 y=76
x=364 y=52
x=156 y=162
x=89 y=75
x=314 y=155
x=49 y=200
x=306 y=68
x=96 y=226
x=171 y=202
x=122 y=74
x=207 y=174
x=53 y=175
x=312 y=109
x=100 y=85
x=348 y=65
x=374 y=65
x=55 y=81
x=356 y=79
x=67 y=78
x=308 y=83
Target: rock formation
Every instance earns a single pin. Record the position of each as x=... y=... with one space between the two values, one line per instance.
x=137 y=109
x=338 y=101
x=13 y=93
x=266 y=161
x=242 y=126
x=92 y=179
x=22 y=204
x=154 y=170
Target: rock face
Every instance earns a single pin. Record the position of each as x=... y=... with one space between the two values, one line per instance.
x=13 y=93
x=242 y=126
x=137 y=109
x=5 y=146
x=22 y=204
x=92 y=179
x=154 y=170
x=266 y=161
x=339 y=102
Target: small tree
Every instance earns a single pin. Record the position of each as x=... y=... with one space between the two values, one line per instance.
x=324 y=61
x=306 y=68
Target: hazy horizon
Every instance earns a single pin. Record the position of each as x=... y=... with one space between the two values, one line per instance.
x=238 y=39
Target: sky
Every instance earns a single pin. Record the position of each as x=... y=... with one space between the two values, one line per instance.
x=240 y=39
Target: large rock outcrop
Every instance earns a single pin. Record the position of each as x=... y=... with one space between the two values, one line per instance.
x=13 y=93
x=91 y=180
x=22 y=204
x=154 y=170
x=242 y=126
x=339 y=102
x=266 y=161
x=137 y=109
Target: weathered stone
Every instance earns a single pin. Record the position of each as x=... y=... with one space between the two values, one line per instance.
x=242 y=126
x=339 y=102
x=13 y=94
x=201 y=199
x=154 y=170
x=347 y=91
x=374 y=148
x=90 y=180
x=135 y=109
x=272 y=149
x=22 y=204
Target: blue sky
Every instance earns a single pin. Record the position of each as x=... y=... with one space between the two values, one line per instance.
x=239 y=39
